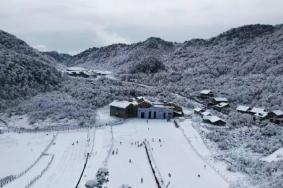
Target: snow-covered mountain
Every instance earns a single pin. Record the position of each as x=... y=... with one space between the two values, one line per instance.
x=24 y=71
x=244 y=64
x=61 y=58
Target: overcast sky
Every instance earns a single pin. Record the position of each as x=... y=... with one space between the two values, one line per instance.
x=75 y=25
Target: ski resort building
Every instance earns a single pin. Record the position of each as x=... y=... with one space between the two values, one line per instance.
x=156 y=111
x=123 y=109
x=145 y=109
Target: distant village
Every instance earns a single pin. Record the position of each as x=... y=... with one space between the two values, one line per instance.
x=222 y=105
x=141 y=107
x=83 y=72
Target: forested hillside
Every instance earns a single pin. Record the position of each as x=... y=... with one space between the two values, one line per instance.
x=24 y=71
x=244 y=64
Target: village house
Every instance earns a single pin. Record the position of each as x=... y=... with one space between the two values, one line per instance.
x=214 y=120
x=243 y=109
x=276 y=116
x=259 y=113
x=205 y=113
x=205 y=94
x=218 y=100
x=198 y=110
x=143 y=108
x=222 y=106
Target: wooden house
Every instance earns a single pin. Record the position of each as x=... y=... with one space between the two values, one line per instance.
x=123 y=109
x=259 y=113
x=214 y=120
x=205 y=113
x=198 y=110
x=222 y=106
x=218 y=100
x=205 y=94
x=276 y=116
x=243 y=109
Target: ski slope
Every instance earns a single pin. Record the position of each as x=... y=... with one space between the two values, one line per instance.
x=177 y=161
x=68 y=162
x=19 y=151
x=172 y=155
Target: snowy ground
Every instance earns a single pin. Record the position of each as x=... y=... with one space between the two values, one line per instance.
x=172 y=155
x=18 y=151
x=178 y=151
x=275 y=156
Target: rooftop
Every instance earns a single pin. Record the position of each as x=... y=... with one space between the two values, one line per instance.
x=120 y=104
x=221 y=99
x=258 y=110
x=198 y=109
x=213 y=119
x=278 y=112
x=243 y=108
x=76 y=69
x=205 y=91
x=222 y=104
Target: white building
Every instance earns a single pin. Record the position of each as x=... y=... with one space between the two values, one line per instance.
x=156 y=111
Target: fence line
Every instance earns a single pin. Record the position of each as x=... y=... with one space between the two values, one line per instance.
x=151 y=166
x=63 y=128
x=41 y=173
x=87 y=157
x=153 y=163
x=14 y=177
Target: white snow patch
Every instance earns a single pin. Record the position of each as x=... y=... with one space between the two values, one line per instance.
x=275 y=156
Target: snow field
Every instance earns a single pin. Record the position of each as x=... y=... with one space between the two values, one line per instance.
x=102 y=142
x=130 y=164
x=171 y=152
x=69 y=156
x=24 y=180
x=19 y=151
